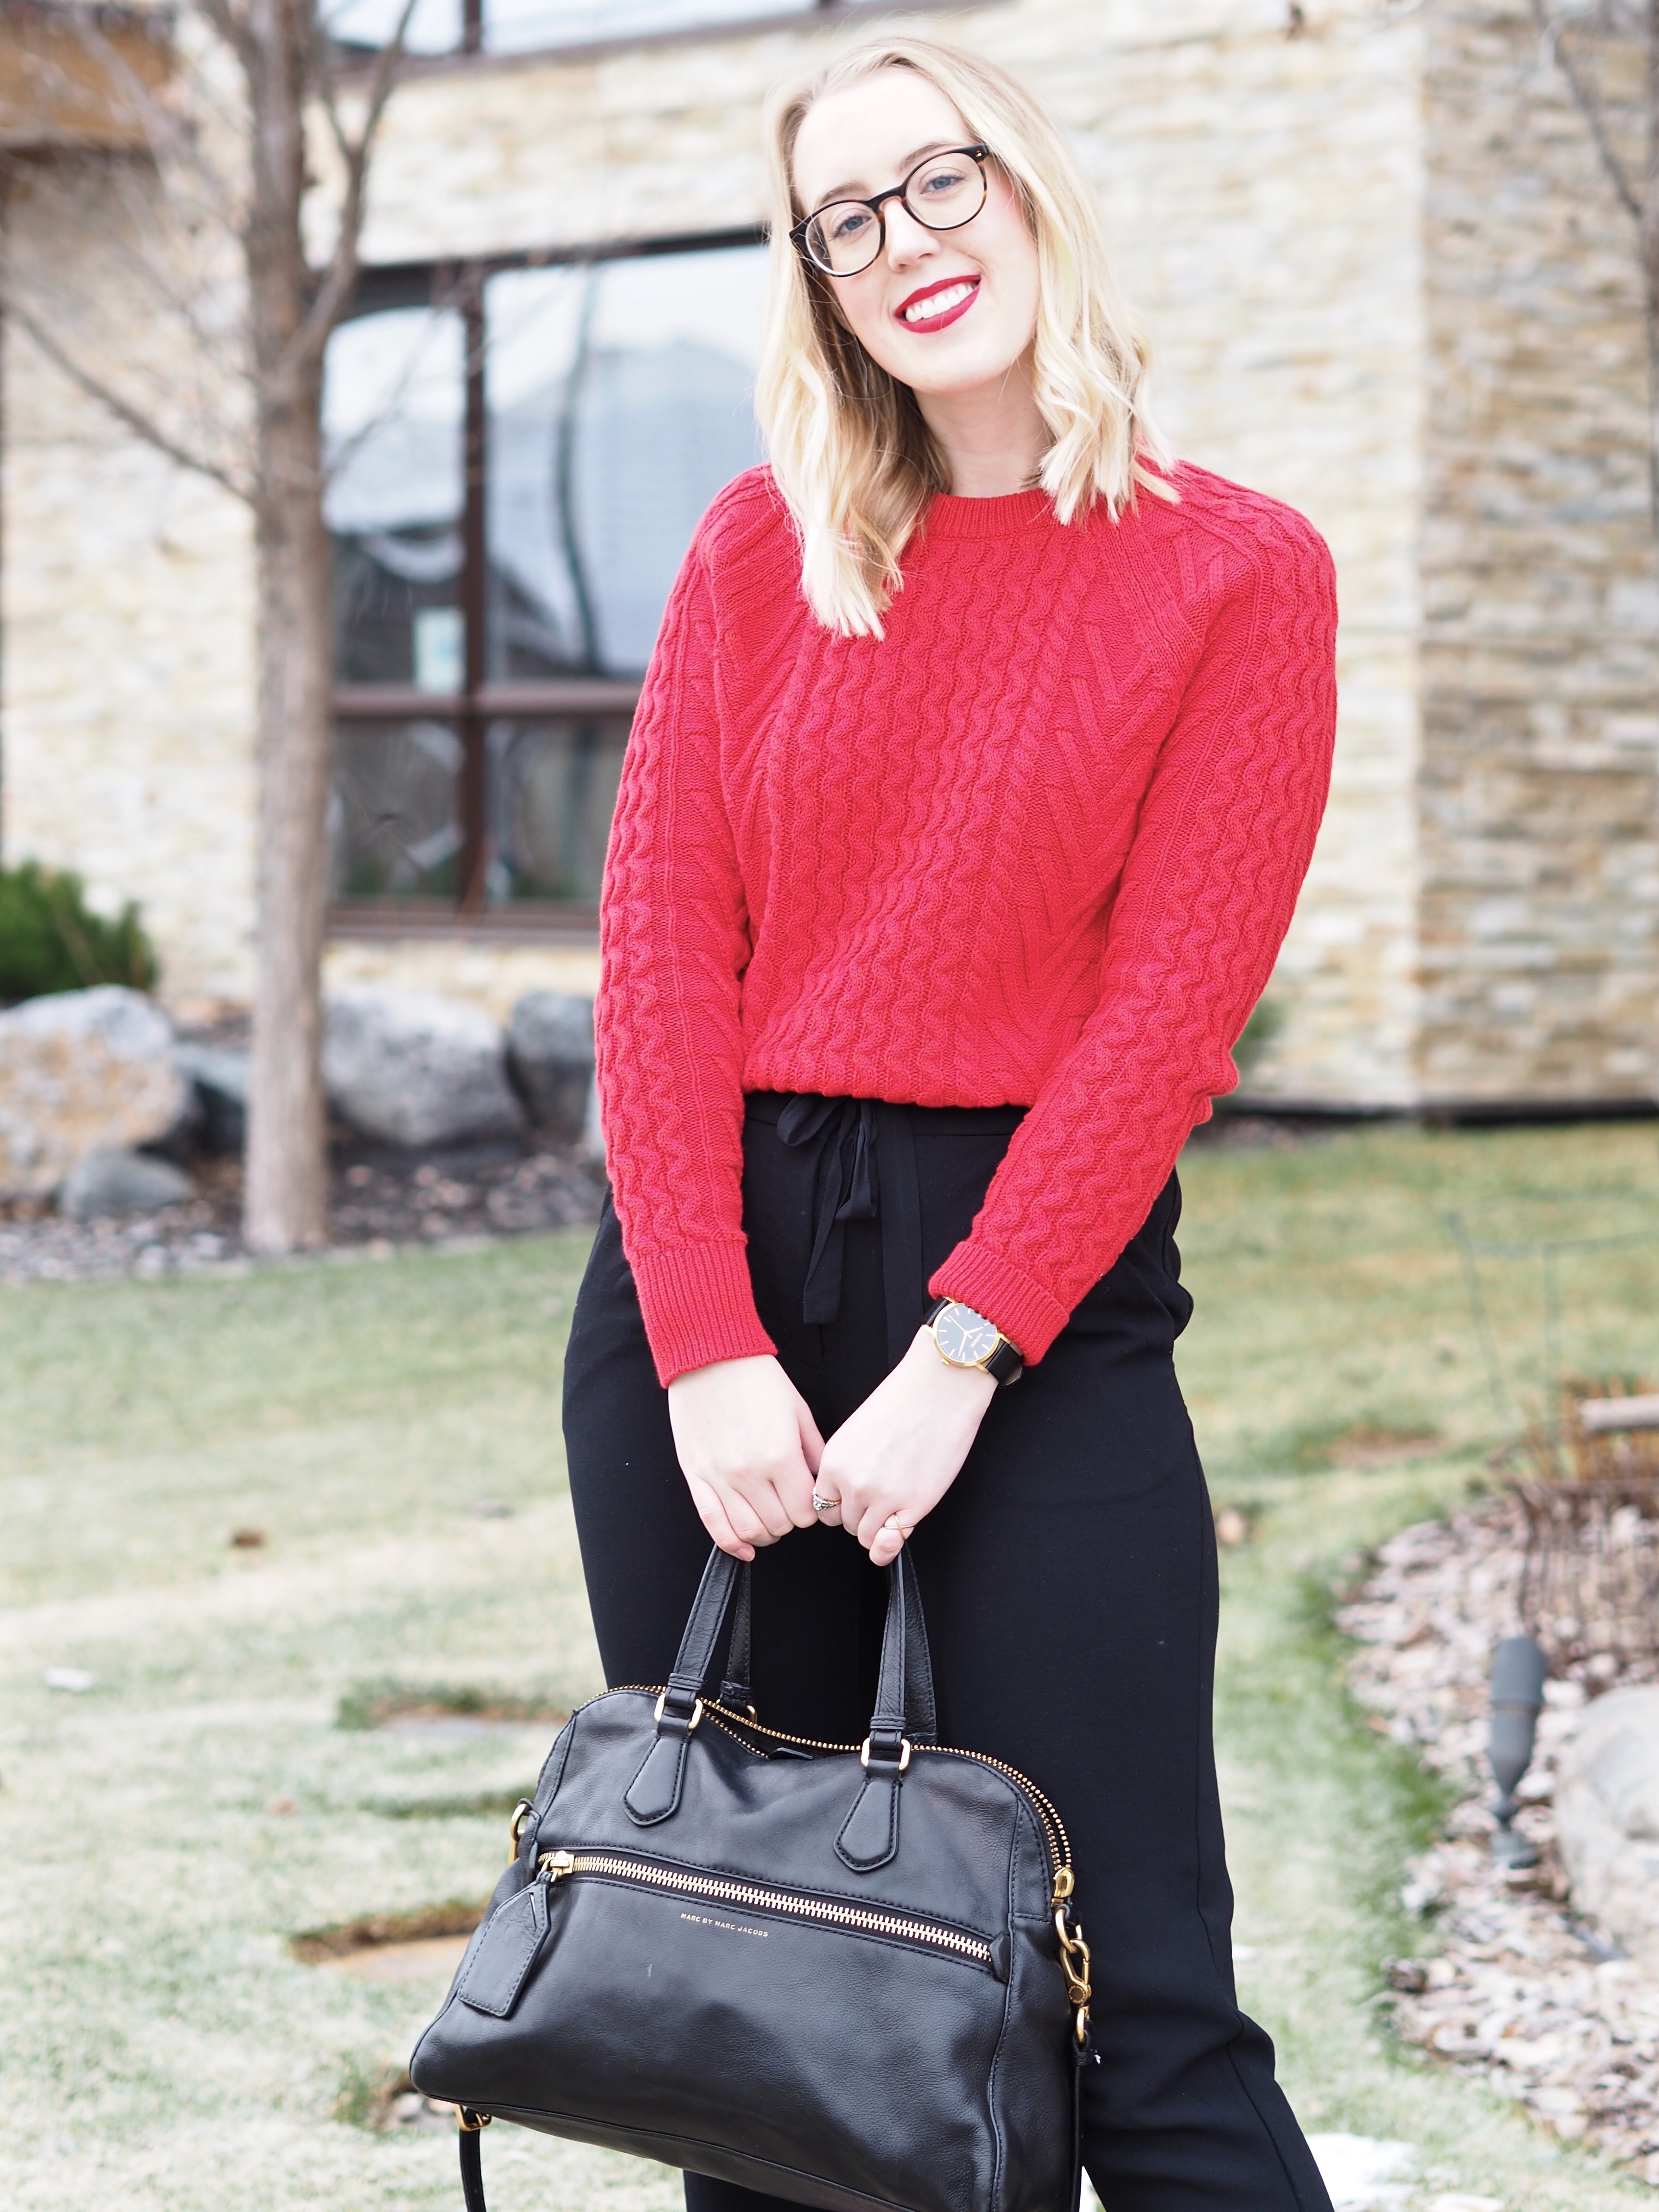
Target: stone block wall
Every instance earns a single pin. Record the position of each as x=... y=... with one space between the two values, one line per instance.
x=1539 y=804
x=126 y=748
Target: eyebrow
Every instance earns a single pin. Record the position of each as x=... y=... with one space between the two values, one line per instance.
x=852 y=190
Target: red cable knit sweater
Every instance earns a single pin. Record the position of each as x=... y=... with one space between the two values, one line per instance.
x=1038 y=846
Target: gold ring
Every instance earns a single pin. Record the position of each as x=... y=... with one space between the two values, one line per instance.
x=893 y=1522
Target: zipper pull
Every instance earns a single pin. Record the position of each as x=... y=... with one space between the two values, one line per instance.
x=555 y=1863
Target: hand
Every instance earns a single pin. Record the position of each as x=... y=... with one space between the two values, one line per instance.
x=748 y=1449
x=900 y=1451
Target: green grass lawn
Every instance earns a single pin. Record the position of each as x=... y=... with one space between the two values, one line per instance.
x=165 y=1835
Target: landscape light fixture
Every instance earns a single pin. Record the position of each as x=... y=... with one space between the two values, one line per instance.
x=1518 y=1668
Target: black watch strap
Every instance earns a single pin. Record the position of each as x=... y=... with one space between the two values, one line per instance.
x=1005 y=1364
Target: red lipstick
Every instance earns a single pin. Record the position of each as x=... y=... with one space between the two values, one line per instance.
x=952 y=314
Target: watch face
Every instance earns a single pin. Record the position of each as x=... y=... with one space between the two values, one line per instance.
x=965 y=1338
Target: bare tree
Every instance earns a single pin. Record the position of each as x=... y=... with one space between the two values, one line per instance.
x=250 y=91
x=1607 y=51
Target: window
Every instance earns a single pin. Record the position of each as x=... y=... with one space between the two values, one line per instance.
x=520 y=456
x=517 y=26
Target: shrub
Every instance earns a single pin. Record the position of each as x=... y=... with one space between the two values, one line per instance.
x=51 y=940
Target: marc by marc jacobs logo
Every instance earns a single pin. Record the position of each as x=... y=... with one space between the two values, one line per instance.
x=726 y=1927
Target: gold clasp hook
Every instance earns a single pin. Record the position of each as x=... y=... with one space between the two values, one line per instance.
x=521 y=1813
x=1073 y=1956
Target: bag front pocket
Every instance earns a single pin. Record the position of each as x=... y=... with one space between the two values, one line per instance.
x=889 y=1925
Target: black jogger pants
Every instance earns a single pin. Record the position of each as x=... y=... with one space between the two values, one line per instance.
x=1069 y=1582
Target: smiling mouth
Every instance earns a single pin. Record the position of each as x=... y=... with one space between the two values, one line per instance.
x=939 y=305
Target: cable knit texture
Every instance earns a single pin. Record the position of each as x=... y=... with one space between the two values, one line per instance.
x=1039 y=846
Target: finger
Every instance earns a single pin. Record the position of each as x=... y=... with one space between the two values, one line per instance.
x=812 y=1443
x=797 y=1495
x=766 y=1503
x=714 y=1517
x=883 y=1534
x=871 y=1521
x=746 y=1520
x=824 y=1485
x=886 y=1548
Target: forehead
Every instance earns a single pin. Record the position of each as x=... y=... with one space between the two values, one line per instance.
x=863 y=138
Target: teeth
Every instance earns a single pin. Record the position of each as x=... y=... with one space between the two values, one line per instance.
x=938 y=303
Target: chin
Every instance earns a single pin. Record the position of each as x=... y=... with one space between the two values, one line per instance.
x=948 y=380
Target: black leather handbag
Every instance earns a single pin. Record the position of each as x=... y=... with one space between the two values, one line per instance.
x=847 y=1975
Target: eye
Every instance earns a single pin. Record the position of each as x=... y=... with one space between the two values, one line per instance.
x=937 y=183
x=846 y=223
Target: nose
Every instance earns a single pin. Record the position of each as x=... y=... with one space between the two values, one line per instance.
x=907 y=241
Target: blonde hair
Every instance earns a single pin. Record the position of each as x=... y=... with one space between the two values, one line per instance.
x=850 y=450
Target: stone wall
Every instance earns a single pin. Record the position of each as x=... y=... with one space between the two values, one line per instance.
x=1541 y=677
x=127 y=609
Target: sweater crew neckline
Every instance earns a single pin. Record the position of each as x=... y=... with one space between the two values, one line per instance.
x=947 y=516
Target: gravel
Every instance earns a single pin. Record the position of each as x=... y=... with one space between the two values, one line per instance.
x=1512 y=1986
x=382 y=1201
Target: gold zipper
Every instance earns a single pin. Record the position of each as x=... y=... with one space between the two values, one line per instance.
x=1054 y=1828
x=557 y=1865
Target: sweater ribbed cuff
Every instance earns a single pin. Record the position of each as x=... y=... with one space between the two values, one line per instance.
x=698 y=1306
x=1028 y=1316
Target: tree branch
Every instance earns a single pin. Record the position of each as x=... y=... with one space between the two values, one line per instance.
x=130 y=418
x=234 y=29
x=340 y=278
x=1589 y=106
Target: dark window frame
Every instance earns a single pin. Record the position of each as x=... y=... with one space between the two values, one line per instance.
x=458 y=286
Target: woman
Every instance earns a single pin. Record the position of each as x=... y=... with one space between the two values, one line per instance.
x=977 y=769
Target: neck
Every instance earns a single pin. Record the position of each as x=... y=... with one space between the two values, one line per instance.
x=993 y=437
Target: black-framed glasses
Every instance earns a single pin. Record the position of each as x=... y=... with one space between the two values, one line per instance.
x=942 y=192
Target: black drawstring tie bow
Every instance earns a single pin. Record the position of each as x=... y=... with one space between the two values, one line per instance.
x=849 y=1185
x=866 y=1170
x=846 y=1188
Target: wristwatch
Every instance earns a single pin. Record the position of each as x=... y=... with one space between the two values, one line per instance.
x=963 y=1338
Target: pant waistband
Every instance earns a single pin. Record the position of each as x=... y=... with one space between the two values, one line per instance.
x=866 y=1171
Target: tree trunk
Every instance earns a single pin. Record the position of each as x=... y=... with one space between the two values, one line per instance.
x=286 y=1195
x=1648 y=240
x=286 y=1206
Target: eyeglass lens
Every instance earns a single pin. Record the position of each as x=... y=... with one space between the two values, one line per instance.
x=943 y=194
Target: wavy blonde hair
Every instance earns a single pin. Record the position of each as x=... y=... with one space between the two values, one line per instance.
x=850 y=450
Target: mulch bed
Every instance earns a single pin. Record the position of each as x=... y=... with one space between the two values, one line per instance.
x=1511 y=1984
x=380 y=1200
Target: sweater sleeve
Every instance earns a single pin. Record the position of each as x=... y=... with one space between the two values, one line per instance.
x=1226 y=832
x=674 y=937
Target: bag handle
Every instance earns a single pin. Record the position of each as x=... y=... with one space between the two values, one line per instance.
x=905 y=1705
x=735 y=1691
x=905 y=1689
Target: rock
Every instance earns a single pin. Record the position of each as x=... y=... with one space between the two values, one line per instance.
x=80 y=1071
x=1607 y=1817
x=408 y=1068
x=550 y=1052
x=107 y=1184
x=220 y=1073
